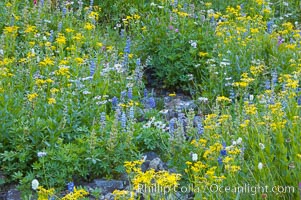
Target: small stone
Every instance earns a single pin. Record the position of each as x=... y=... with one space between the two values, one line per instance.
x=150 y=156
x=109 y=196
x=13 y=194
x=109 y=185
x=154 y=164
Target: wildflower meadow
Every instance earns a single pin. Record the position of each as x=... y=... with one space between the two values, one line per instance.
x=167 y=99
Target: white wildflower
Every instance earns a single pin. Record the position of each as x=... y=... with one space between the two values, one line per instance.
x=260 y=166
x=194 y=157
x=34 y=184
x=41 y=154
x=239 y=140
x=261 y=146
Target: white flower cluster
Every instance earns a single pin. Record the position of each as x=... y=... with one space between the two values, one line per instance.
x=157 y=124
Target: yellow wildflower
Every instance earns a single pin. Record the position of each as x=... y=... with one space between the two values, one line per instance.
x=10 y=29
x=172 y=94
x=51 y=101
x=61 y=39
x=30 y=29
x=203 y=54
x=223 y=98
x=32 y=96
x=88 y=26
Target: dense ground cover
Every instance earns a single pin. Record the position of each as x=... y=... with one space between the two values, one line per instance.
x=75 y=106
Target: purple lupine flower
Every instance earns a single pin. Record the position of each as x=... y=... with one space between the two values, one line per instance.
x=270 y=26
x=223 y=152
x=274 y=77
x=91 y=3
x=125 y=60
x=232 y=95
x=220 y=160
x=130 y=93
x=70 y=187
x=200 y=127
x=151 y=102
x=127 y=48
x=42 y=3
x=103 y=119
x=59 y=28
x=172 y=126
x=92 y=68
x=138 y=70
x=145 y=93
x=299 y=101
x=138 y=62
x=51 y=36
x=122 y=95
x=114 y=102
x=64 y=11
x=123 y=120
x=267 y=85
x=118 y=113
x=131 y=114
x=122 y=33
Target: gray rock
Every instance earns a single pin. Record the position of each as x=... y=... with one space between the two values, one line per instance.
x=156 y=164
x=152 y=161
x=109 y=185
x=150 y=156
x=13 y=194
x=179 y=104
x=109 y=196
x=2 y=195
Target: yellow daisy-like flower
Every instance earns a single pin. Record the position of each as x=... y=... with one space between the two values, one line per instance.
x=203 y=54
x=32 y=96
x=30 y=29
x=51 y=101
x=223 y=98
x=89 y=26
x=172 y=94
x=61 y=39
x=54 y=90
x=10 y=29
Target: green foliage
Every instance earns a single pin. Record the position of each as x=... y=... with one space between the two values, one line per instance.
x=61 y=70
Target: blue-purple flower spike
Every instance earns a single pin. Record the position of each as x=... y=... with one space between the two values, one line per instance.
x=123 y=120
x=130 y=93
x=70 y=187
x=270 y=26
x=151 y=102
x=172 y=126
x=131 y=114
x=127 y=48
x=92 y=67
x=114 y=102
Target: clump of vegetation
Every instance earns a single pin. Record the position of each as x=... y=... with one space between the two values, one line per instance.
x=74 y=105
